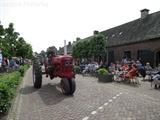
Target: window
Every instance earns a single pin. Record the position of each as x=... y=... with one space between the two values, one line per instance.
x=127 y=55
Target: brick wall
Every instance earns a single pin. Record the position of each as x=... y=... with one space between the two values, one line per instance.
x=153 y=45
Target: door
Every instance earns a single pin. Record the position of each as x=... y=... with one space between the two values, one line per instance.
x=157 y=58
x=146 y=56
x=110 y=57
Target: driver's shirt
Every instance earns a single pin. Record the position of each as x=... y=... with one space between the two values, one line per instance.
x=50 y=53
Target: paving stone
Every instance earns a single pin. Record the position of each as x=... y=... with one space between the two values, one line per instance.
x=137 y=102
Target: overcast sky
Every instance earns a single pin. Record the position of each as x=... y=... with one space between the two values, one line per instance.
x=44 y=23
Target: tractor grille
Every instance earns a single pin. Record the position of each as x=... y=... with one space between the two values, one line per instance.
x=67 y=67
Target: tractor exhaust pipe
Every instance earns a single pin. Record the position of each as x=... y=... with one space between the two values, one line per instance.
x=65 y=48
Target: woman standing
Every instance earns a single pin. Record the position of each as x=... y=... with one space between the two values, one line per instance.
x=4 y=65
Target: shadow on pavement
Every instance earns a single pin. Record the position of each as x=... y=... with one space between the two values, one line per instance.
x=28 y=90
x=51 y=94
x=3 y=116
x=128 y=84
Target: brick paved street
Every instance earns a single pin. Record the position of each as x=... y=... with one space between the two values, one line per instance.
x=92 y=100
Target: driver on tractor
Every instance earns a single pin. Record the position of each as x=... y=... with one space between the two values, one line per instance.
x=50 y=53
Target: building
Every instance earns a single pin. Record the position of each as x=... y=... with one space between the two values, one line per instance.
x=69 y=47
x=135 y=40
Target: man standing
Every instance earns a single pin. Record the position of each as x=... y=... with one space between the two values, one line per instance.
x=7 y=62
x=13 y=64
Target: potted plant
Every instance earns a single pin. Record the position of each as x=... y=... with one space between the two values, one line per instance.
x=104 y=75
x=77 y=69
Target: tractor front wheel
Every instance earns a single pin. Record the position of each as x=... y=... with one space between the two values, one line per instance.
x=65 y=87
x=37 y=74
x=72 y=85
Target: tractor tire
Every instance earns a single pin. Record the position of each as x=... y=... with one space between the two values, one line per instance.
x=72 y=85
x=37 y=74
x=65 y=87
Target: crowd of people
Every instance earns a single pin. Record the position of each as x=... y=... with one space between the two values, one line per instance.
x=10 y=65
x=129 y=68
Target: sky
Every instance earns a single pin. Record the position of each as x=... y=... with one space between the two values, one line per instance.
x=44 y=23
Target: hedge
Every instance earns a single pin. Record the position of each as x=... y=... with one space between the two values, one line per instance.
x=8 y=85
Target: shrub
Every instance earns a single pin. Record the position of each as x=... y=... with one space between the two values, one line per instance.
x=5 y=97
x=103 y=71
x=8 y=85
x=76 y=67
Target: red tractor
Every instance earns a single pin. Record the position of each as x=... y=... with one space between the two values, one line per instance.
x=60 y=66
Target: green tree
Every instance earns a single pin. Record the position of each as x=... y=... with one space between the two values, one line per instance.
x=2 y=40
x=23 y=49
x=93 y=46
x=20 y=47
x=11 y=36
x=13 y=45
x=42 y=53
x=54 y=48
x=77 y=50
x=2 y=31
x=97 y=45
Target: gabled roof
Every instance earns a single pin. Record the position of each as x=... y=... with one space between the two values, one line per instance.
x=69 y=49
x=138 y=30
x=60 y=50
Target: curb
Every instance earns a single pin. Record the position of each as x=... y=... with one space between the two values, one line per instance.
x=14 y=111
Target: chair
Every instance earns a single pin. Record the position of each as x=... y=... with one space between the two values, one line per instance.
x=82 y=67
x=133 y=79
x=118 y=76
x=151 y=80
x=94 y=71
x=151 y=76
x=90 y=69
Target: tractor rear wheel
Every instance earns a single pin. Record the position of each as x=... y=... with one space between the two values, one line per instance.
x=65 y=87
x=72 y=85
x=37 y=74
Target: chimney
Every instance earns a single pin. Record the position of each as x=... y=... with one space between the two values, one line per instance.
x=73 y=42
x=95 y=32
x=144 y=13
x=69 y=43
x=77 y=39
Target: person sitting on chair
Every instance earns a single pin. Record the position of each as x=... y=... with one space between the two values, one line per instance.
x=131 y=72
x=125 y=67
x=156 y=77
x=111 y=68
x=148 y=69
